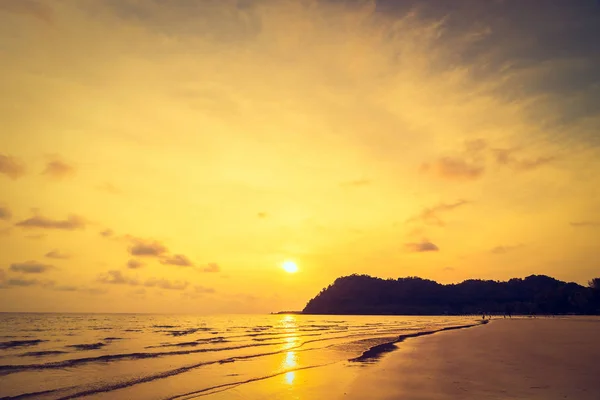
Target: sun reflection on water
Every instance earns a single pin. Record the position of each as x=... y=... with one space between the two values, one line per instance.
x=290 y=358
x=289 y=377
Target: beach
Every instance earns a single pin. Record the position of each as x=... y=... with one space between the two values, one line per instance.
x=542 y=358
x=299 y=357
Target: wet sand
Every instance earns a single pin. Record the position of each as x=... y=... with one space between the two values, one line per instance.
x=506 y=359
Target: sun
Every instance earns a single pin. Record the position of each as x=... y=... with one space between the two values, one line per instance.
x=290 y=267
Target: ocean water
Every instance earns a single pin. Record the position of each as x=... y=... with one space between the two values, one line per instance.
x=131 y=356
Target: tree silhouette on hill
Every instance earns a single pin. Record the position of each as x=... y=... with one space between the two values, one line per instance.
x=535 y=294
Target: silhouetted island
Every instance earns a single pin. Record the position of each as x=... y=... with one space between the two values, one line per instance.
x=535 y=294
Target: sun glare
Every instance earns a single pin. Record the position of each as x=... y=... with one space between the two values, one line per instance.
x=290 y=267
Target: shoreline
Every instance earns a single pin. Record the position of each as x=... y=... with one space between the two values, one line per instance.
x=377 y=351
x=522 y=358
x=519 y=358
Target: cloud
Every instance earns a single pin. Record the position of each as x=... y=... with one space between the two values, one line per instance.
x=32 y=8
x=203 y=289
x=94 y=291
x=66 y=288
x=356 y=183
x=431 y=215
x=73 y=222
x=6 y=282
x=166 y=284
x=11 y=166
x=74 y=288
x=109 y=188
x=117 y=278
x=107 y=233
x=57 y=255
x=57 y=169
x=176 y=259
x=585 y=224
x=148 y=248
x=262 y=215
x=38 y=236
x=154 y=248
x=449 y=269
x=504 y=249
x=31 y=267
x=531 y=164
x=454 y=169
x=21 y=282
x=5 y=213
x=506 y=157
x=475 y=146
x=421 y=247
x=211 y=267
x=134 y=264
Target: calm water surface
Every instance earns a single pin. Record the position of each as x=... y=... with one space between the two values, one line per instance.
x=125 y=356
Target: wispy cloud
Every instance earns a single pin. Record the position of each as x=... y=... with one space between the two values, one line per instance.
x=203 y=289
x=422 y=247
x=134 y=264
x=20 y=282
x=73 y=222
x=107 y=233
x=57 y=169
x=211 y=267
x=176 y=259
x=31 y=267
x=31 y=8
x=508 y=158
x=504 y=249
x=475 y=146
x=57 y=254
x=11 y=166
x=149 y=248
x=153 y=248
x=432 y=215
x=166 y=284
x=109 y=188
x=454 y=168
x=115 y=277
x=37 y=236
x=5 y=213
x=585 y=224
x=118 y=278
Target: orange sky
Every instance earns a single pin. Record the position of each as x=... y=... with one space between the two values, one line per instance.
x=169 y=157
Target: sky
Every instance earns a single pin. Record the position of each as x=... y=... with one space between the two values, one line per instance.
x=169 y=156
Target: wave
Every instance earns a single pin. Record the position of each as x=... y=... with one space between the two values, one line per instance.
x=184 y=332
x=13 y=368
x=226 y=386
x=87 y=346
x=215 y=340
x=20 y=343
x=177 y=371
x=42 y=353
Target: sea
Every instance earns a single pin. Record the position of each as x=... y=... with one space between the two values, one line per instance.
x=131 y=356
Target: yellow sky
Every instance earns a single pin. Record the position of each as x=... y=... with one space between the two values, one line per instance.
x=173 y=156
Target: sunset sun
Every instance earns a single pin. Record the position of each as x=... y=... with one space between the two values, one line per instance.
x=290 y=267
